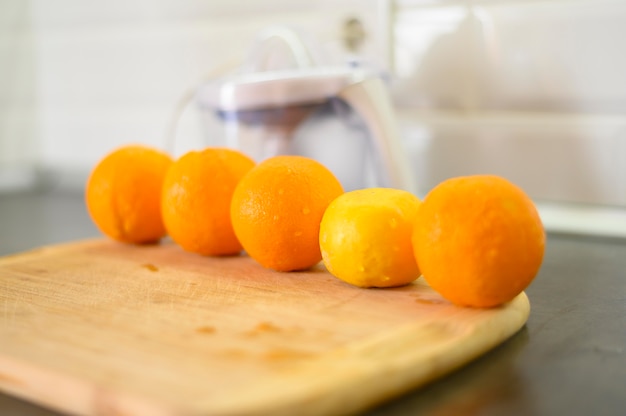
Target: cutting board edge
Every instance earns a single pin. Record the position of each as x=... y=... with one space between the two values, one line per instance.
x=327 y=397
x=42 y=386
x=59 y=392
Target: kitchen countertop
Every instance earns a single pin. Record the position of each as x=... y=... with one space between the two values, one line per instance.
x=570 y=358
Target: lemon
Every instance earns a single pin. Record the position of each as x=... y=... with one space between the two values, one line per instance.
x=365 y=237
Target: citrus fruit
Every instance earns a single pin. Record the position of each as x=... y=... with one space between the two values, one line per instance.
x=478 y=240
x=277 y=208
x=365 y=237
x=196 y=200
x=123 y=194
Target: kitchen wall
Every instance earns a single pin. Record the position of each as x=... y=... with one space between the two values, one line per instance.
x=533 y=90
x=111 y=73
x=18 y=106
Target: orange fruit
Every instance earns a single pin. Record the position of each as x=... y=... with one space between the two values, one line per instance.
x=365 y=237
x=478 y=240
x=196 y=200
x=277 y=208
x=123 y=194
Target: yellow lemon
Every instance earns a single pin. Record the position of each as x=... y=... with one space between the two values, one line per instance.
x=365 y=237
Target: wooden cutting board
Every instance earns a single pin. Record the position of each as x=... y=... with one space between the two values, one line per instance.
x=101 y=328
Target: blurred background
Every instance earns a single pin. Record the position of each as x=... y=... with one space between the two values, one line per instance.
x=533 y=90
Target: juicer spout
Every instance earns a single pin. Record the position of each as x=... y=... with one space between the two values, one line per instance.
x=370 y=99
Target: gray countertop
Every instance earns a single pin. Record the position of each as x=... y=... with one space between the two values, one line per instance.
x=570 y=358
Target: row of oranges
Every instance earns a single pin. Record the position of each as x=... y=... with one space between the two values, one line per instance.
x=477 y=240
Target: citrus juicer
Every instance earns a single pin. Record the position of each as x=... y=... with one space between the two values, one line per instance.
x=341 y=116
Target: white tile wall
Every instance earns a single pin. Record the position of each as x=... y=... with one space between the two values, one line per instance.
x=558 y=55
x=18 y=111
x=576 y=159
x=532 y=90
x=110 y=73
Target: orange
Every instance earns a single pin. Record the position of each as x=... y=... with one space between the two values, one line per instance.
x=277 y=208
x=478 y=240
x=196 y=200
x=365 y=237
x=123 y=194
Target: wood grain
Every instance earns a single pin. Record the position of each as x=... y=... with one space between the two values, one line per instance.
x=101 y=328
